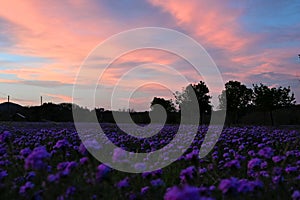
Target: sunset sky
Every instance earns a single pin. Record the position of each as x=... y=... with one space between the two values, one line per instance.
x=43 y=44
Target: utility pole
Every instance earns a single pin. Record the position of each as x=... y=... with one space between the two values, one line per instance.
x=41 y=100
x=8 y=107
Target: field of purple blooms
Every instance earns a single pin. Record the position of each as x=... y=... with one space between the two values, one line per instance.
x=48 y=161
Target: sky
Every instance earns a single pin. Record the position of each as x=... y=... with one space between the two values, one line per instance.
x=44 y=43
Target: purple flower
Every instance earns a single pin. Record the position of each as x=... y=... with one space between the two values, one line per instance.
x=25 y=152
x=3 y=174
x=30 y=175
x=23 y=189
x=291 y=169
x=53 y=178
x=241 y=147
x=277 y=171
x=70 y=166
x=251 y=153
x=264 y=174
x=264 y=165
x=70 y=191
x=61 y=166
x=249 y=186
x=182 y=193
x=255 y=162
x=140 y=166
x=188 y=173
x=296 y=195
x=36 y=159
x=212 y=188
x=233 y=164
x=157 y=183
x=102 y=172
x=242 y=186
x=192 y=155
x=61 y=144
x=277 y=159
x=144 y=190
x=266 y=152
x=277 y=179
x=260 y=145
x=119 y=155
x=82 y=149
x=5 y=136
x=66 y=167
x=123 y=183
x=84 y=160
x=202 y=170
x=225 y=155
x=227 y=185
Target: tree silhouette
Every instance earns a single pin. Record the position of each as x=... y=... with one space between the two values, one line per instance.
x=167 y=104
x=269 y=99
x=201 y=91
x=237 y=97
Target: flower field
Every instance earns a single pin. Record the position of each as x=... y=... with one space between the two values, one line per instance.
x=48 y=161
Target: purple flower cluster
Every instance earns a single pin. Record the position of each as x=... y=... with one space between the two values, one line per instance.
x=234 y=185
x=5 y=136
x=247 y=162
x=36 y=160
x=182 y=193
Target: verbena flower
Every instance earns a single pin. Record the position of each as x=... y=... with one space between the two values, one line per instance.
x=123 y=183
x=233 y=164
x=140 y=166
x=157 y=182
x=61 y=144
x=36 y=159
x=30 y=175
x=266 y=152
x=291 y=169
x=296 y=195
x=144 y=190
x=82 y=149
x=53 y=178
x=84 y=160
x=5 y=136
x=70 y=191
x=119 y=155
x=255 y=162
x=277 y=159
x=102 y=172
x=227 y=185
x=23 y=189
x=3 y=174
x=25 y=152
x=188 y=173
x=182 y=193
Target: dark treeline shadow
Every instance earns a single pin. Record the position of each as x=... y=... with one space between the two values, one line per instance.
x=259 y=105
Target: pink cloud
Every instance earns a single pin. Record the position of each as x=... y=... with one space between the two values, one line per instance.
x=217 y=27
x=58 y=98
x=213 y=23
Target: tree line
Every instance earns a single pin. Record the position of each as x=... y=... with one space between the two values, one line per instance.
x=237 y=99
